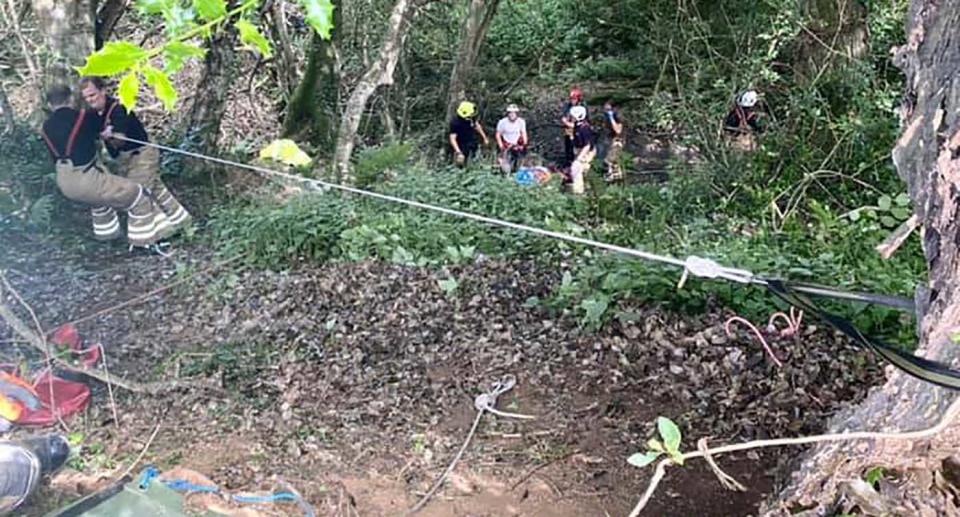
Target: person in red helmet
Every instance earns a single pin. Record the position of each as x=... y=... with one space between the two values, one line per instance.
x=569 y=125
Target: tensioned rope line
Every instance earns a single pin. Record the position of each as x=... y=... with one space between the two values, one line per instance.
x=697 y=266
x=929 y=371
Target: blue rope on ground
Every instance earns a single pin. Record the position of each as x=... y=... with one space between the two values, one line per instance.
x=182 y=485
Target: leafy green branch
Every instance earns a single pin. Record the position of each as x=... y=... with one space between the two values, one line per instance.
x=133 y=62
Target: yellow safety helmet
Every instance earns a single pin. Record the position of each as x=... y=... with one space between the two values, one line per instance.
x=467 y=109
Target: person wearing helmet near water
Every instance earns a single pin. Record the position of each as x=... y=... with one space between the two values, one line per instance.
x=569 y=125
x=512 y=139
x=742 y=123
x=584 y=148
x=464 y=129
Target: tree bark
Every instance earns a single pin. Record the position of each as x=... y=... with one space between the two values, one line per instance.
x=213 y=91
x=479 y=17
x=313 y=107
x=9 y=121
x=927 y=157
x=286 y=62
x=68 y=29
x=380 y=73
x=107 y=17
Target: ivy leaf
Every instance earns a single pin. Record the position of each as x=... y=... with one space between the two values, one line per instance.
x=251 y=37
x=115 y=58
x=884 y=202
x=902 y=199
x=670 y=433
x=128 y=90
x=177 y=53
x=162 y=86
x=642 y=460
x=319 y=16
x=155 y=6
x=210 y=9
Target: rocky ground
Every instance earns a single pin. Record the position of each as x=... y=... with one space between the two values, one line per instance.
x=355 y=384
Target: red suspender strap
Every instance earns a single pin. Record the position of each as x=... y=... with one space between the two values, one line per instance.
x=74 y=132
x=106 y=118
x=50 y=145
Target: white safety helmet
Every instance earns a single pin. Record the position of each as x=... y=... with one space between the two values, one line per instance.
x=513 y=108
x=748 y=99
x=579 y=113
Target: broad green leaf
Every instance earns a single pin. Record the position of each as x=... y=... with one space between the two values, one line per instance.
x=162 y=86
x=902 y=199
x=900 y=213
x=449 y=285
x=177 y=53
x=642 y=460
x=654 y=445
x=179 y=19
x=884 y=202
x=319 y=16
x=155 y=6
x=888 y=221
x=874 y=475
x=210 y=9
x=285 y=151
x=670 y=433
x=128 y=90
x=855 y=215
x=115 y=58
x=251 y=37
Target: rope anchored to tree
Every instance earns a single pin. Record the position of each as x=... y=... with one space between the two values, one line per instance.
x=930 y=371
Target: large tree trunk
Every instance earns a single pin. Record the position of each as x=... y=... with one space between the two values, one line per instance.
x=107 y=17
x=6 y=111
x=213 y=91
x=835 y=35
x=68 y=29
x=286 y=63
x=473 y=32
x=380 y=73
x=314 y=105
x=926 y=157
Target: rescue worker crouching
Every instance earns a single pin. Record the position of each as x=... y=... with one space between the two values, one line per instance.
x=614 y=142
x=138 y=162
x=464 y=129
x=584 y=149
x=512 y=139
x=742 y=123
x=71 y=136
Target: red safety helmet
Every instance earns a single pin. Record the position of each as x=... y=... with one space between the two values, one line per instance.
x=576 y=94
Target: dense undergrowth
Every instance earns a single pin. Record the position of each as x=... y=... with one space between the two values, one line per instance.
x=664 y=218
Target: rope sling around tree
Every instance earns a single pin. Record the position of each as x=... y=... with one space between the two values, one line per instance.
x=792 y=293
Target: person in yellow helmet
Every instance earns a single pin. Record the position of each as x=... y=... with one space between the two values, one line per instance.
x=464 y=129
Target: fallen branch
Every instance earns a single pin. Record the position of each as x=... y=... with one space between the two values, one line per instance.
x=948 y=417
x=39 y=343
x=892 y=243
x=142 y=452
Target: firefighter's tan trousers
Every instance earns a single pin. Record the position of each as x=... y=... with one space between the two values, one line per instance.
x=107 y=193
x=143 y=167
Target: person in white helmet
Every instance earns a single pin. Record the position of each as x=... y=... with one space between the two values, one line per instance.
x=584 y=148
x=512 y=139
x=742 y=123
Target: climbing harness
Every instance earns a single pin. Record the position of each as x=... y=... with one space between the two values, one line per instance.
x=930 y=371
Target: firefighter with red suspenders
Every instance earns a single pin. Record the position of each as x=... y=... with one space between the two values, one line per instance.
x=71 y=136
x=139 y=162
